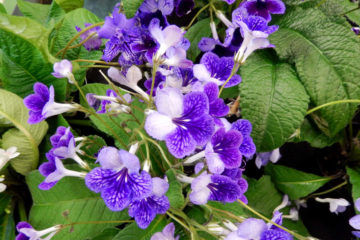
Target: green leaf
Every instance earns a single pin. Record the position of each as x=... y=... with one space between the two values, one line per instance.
x=174 y=194
x=107 y=234
x=69 y=5
x=92 y=145
x=234 y=208
x=325 y=54
x=131 y=6
x=272 y=99
x=69 y=201
x=2 y=8
x=9 y=6
x=256 y=192
x=56 y=13
x=25 y=137
x=7 y=226
x=35 y=11
x=295 y=183
x=354 y=176
x=22 y=64
x=5 y=200
x=132 y=231
x=195 y=34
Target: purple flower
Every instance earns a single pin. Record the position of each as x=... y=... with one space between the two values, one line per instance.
x=223 y=151
x=42 y=104
x=229 y=1
x=93 y=101
x=236 y=175
x=263 y=8
x=118 y=179
x=145 y=210
x=216 y=70
x=217 y=107
x=62 y=69
x=27 y=232
x=355 y=220
x=159 y=80
x=54 y=170
x=215 y=188
x=247 y=147
x=182 y=121
x=263 y=158
x=112 y=103
x=356 y=30
x=183 y=7
x=166 y=234
x=94 y=42
x=151 y=6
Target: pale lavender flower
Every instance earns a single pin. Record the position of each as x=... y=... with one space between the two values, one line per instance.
x=263 y=158
x=166 y=234
x=2 y=185
x=355 y=220
x=93 y=42
x=111 y=103
x=263 y=8
x=336 y=205
x=182 y=121
x=118 y=179
x=62 y=69
x=151 y=6
x=146 y=209
x=42 y=104
x=7 y=155
x=27 y=232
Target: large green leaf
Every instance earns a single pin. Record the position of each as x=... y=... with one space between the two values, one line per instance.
x=325 y=54
x=22 y=64
x=132 y=231
x=70 y=202
x=174 y=194
x=25 y=137
x=131 y=6
x=354 y=176
x=69 y=5
x=295 y=183
x=194 y=34
x=272 y=99
x=36 y=11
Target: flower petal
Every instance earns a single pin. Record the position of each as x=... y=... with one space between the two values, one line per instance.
x=99 y=179
x=159 y=126
x=169 y=101
x=180 y=142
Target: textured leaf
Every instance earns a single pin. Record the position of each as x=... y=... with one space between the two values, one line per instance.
x=2 y=8
x=326 y=54
x=194 y=34
x=131 y=6
x=69 y=5
x=294 y=183
x=9 y=6
x=21 y=65
x=70 y=202
x=25 y=137
x=175 y=195
x=132 y=231
x=354 y=176
x=272 y=99
x=107 y=234
x=35 y=11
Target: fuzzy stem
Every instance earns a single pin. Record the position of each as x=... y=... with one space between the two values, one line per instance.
x=196 y=15
x=233 y=72
x=332 y=103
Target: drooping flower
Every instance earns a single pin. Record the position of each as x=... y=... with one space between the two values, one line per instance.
x=94 y=42
x=263 y=8
x=247 y=147
x=151 y=6
x=7 y=155
x=42 y=104
x=118 y=179
x=215 y=188
x=146 y=209
x=27 y=232
x=263 y=158
x=182 y=121
x=62 y=69
x=336 y=205
x=54 y=170
x=216 y=70
x=183 y=7
x=111 y=103
x=355 y=220
x=166 y=234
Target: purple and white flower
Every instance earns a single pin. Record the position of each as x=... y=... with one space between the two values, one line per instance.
x=216 y=70
x=27 y=232
x=42 y=104
x=355 y=220
x=217 y=107
x=166 y=234
x=336 y=205
x=94 y=42
x=146 y=209
x=111 y=103
x=118 y=179
x=247 y=147
x=182 y=121
x=62 y=69
x=263 y=158
x=263 y=8
x=7 y=155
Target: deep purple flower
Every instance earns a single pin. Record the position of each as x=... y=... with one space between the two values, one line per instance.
x=182 y=121
x=217 y=107
x=263 y=8
x=216 y=70
x=223 y=151
x=94 y=42
x=146 y=209
x=236 y=175
x=151 y=6
x=166 y=234
x=355 y=220
x=247 y=147
x=118 y=179
x=42 y=104
x=27 y=232
x=159 y=79
x=263 y=158
x=215 y=188
x=183 y=7
x=62 y=69
x=356 y=30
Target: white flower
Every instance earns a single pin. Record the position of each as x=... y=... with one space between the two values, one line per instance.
x=7 y=155
x=2 y=185
x=336 y=205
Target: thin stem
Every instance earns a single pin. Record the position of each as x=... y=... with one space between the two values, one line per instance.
x=233 y=72
x=83 y=41
x=96 y=222
x=196 y=16
x=80 y=122
x=154 y=70
x=95 y=66
x=273 y=223
x=75 y=37
x=177 y=220
x=226 y=213
x=72 y=78
x=329 y=190
x=332 y=103
x=97 y=61
x=350 y=11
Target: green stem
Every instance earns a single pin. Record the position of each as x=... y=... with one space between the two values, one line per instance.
x=329 y=190
x=196 y=16
x=97 y=61
x=233 y=72
x=83 y=41
x=298 y=236
x=96 y=222
x=350 y=11
x=178 y=220
x=22 y=211
x=95 y=66
x=80 y=122
x=332 y=103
